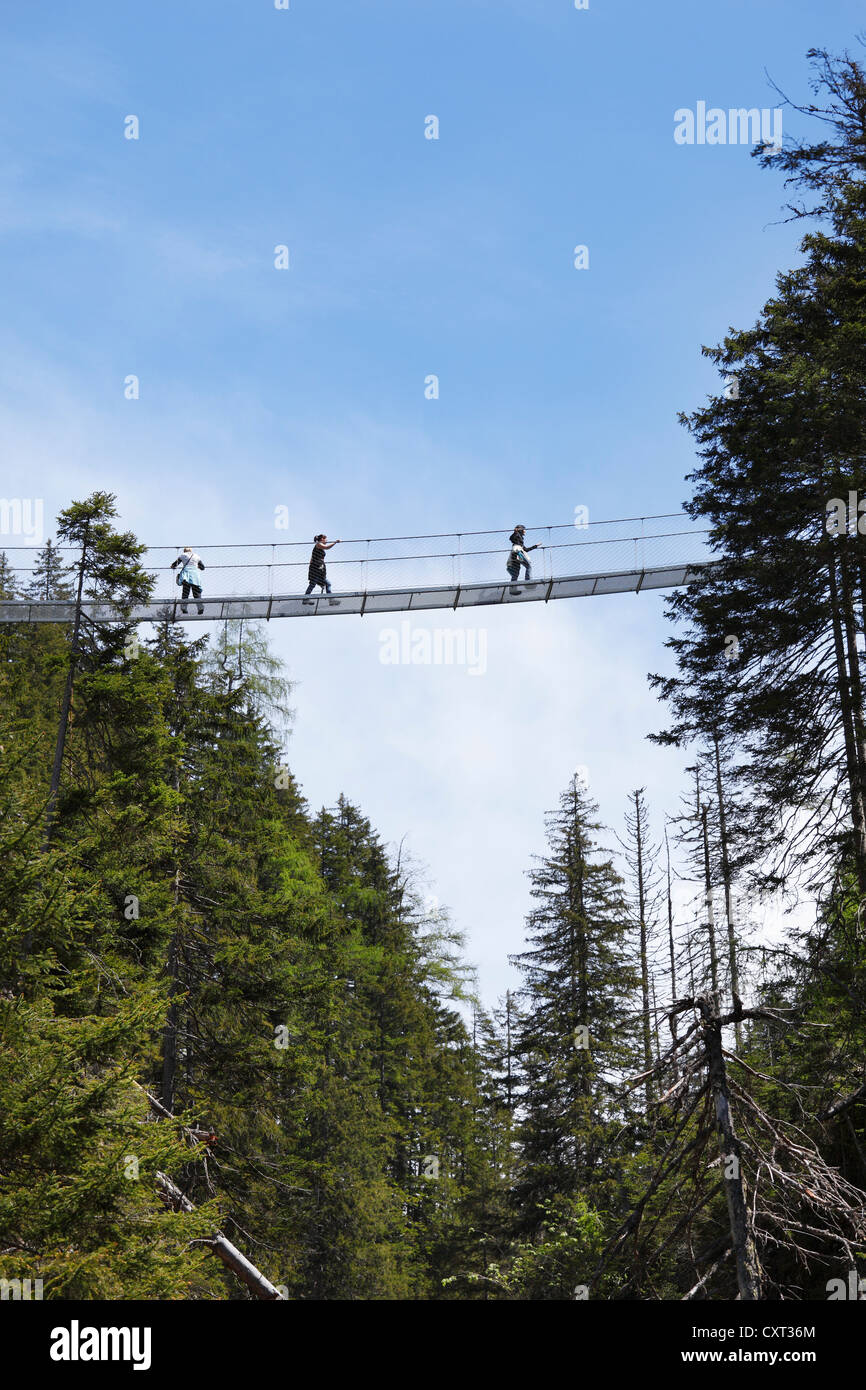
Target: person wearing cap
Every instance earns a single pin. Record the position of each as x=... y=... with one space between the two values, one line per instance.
x=317 y=574
x=190 y=564
x=518 y=554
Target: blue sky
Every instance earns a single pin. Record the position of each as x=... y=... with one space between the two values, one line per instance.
x=409 y=256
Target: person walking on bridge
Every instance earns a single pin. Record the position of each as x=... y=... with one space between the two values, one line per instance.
x=519 y=554
x=190 y=564
x=318 y=573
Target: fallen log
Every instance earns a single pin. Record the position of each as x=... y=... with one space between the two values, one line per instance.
x=221 y=1247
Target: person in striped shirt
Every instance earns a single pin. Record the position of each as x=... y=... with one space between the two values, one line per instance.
x=519 y=554
x=318 y=573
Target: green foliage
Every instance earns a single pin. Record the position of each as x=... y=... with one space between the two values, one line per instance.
x=77 y=1203
x=189 y=927
x=556 y=1263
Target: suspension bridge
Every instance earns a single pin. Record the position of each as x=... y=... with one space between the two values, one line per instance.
x=382 y=575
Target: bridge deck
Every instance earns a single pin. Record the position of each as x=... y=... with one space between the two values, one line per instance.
x=415 y=600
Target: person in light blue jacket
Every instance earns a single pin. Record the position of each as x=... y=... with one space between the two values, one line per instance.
x=190 y=564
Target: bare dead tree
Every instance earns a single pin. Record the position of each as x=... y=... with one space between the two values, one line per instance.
x=781 y=1194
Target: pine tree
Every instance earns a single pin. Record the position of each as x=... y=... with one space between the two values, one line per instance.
x=785 y=598
x=577 y=1036
x=108 y=571
x=833 y=164
x=78 y=1208
x=7 y=577
x=50 y=575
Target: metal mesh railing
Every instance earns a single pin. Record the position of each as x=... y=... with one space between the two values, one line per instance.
x=414 y=562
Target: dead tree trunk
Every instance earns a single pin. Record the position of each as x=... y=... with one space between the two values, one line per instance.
x=855 y=683
x=728 y=885
x=508 y=1082
x=852 y=761
x=222 y=1248
x=644 y=962
x=748 y=1269
x=169 y=1032
x=172 y=1022
x=708 y=896
x=672 y=1017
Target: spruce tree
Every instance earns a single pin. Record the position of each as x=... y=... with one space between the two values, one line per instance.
x=7 y=577
x=769 y=633
x=577 y=1037
x=49 y=575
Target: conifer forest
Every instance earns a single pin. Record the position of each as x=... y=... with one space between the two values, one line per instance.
x=243 y=1059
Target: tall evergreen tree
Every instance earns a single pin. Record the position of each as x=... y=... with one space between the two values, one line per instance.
x=786 y=594
x=7 y=577
x=108 y=571
x=577 y=1037
x=50 y=575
